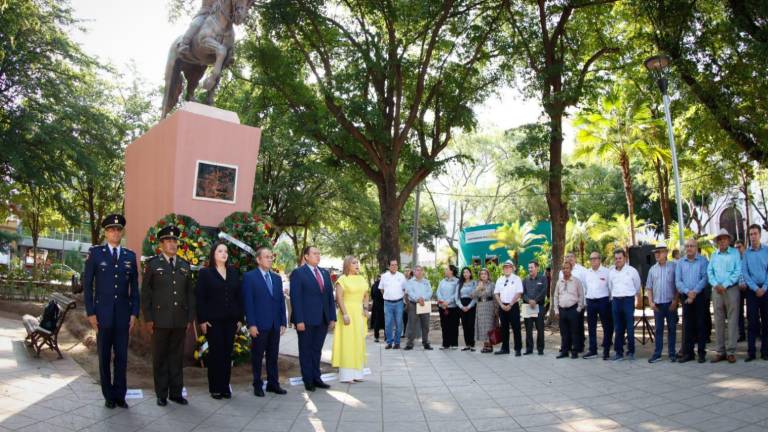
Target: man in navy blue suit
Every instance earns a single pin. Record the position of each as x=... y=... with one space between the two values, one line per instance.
x=111 y=293
x=264 y=306
x=313 y=313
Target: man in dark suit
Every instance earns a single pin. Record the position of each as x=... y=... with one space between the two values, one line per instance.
x=264 y=305
x=169 y=309
x=111 y=293
x=313 y=313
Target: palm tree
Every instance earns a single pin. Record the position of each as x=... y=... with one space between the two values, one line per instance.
x=515 y=238
x=619 y=232
x=704 y=242
x=615 y=132
x=579 y=233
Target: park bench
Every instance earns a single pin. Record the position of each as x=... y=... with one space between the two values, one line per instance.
x=38 y=337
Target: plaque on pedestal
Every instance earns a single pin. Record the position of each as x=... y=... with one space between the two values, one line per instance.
x=199 y=162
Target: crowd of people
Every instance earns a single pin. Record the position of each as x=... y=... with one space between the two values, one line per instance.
x=488 y=311
x=221 y=301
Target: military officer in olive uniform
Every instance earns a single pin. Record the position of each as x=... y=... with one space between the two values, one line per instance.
x=111 y=293
x=169 y=308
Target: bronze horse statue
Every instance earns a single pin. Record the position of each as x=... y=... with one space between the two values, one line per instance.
x=211 y=45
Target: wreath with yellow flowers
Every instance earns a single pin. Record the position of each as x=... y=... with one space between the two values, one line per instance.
x=241 y=351
x=194 y=243
x=251 y=229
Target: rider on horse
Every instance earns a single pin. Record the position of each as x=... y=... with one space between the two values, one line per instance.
x=197 y=22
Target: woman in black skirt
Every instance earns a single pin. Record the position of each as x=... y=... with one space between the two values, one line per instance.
x=219 y=311
x=377 y=311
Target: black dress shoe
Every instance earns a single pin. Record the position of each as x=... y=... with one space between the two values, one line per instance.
x=162 y=401
x=574 y=355
x=179 y=400
x=109 y=404
x=702 y=358
x=500 y=352
x=407 y=348
x=517 y=354
x=764 y=356
x=226 y=395
x=750 y=359
x=562 y=355
x=216 y=396
x=258 y=391
x=528 y=353
x=427 y=347
x=541 y=352
x=276 y=390
x=685 y=359
x=322 y=385
x=121 y=404
x=309 y=387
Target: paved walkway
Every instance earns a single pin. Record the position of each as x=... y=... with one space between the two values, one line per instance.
x=411 y=391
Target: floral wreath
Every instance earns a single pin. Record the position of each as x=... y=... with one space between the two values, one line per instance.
x=241 y=350
x=194 y=243
x=250 y=229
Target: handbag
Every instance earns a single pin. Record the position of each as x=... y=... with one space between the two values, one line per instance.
x=494 y=336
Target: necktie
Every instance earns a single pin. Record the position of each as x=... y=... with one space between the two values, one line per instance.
x=319 y=279
x=171 y=261
x=268 y=279
x=114 y=255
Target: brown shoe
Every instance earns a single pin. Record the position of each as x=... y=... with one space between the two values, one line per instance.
x=731 y=358
x=718 y=358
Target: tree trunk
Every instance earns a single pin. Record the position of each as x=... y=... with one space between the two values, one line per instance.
x=581 y=251
x=558 y=208
x=389 y=224
x=626 y=177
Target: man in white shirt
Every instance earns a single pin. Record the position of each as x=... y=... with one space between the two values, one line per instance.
x=624 y=284
x=579 y=272
x=598 y=306
x=509 y=289
x=392 y=286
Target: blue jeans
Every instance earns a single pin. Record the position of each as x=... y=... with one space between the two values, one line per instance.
x=624 y=319
x=393 y=321
x=670 y=316
x=599 y=308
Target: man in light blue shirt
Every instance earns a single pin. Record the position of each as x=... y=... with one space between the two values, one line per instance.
x=724 y=272
x=419 y=292
x=690 y=280
x=754 y=270
x=662 y=297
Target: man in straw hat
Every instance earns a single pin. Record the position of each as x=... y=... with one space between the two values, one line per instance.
x=662 y=297
x=723 y=272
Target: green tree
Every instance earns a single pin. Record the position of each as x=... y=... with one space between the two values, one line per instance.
x=580 y=233
x=554 y=47
x=718 y=50
x=515 y=238
x=615 y=131
x=384 y=86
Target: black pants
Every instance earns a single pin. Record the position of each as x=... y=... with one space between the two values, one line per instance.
x=708 y=318
x=695 y=324
x=580 y=339
x=111 y=339
x=538 y=322
x=569 y=328
x=468 y=322
x=221 y=339
x=507 y=318
x=599 y=309
x=742 y=320
x=449 y=324
x=168 y=361
x=757 y=313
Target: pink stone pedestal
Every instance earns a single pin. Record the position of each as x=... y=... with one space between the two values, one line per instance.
x=160 y=168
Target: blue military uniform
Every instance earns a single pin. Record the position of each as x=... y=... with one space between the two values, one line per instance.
x=111 y=293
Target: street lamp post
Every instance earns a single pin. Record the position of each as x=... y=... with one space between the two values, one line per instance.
x=658 y=67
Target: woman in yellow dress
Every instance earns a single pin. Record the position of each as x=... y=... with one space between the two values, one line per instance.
x=349 y=335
